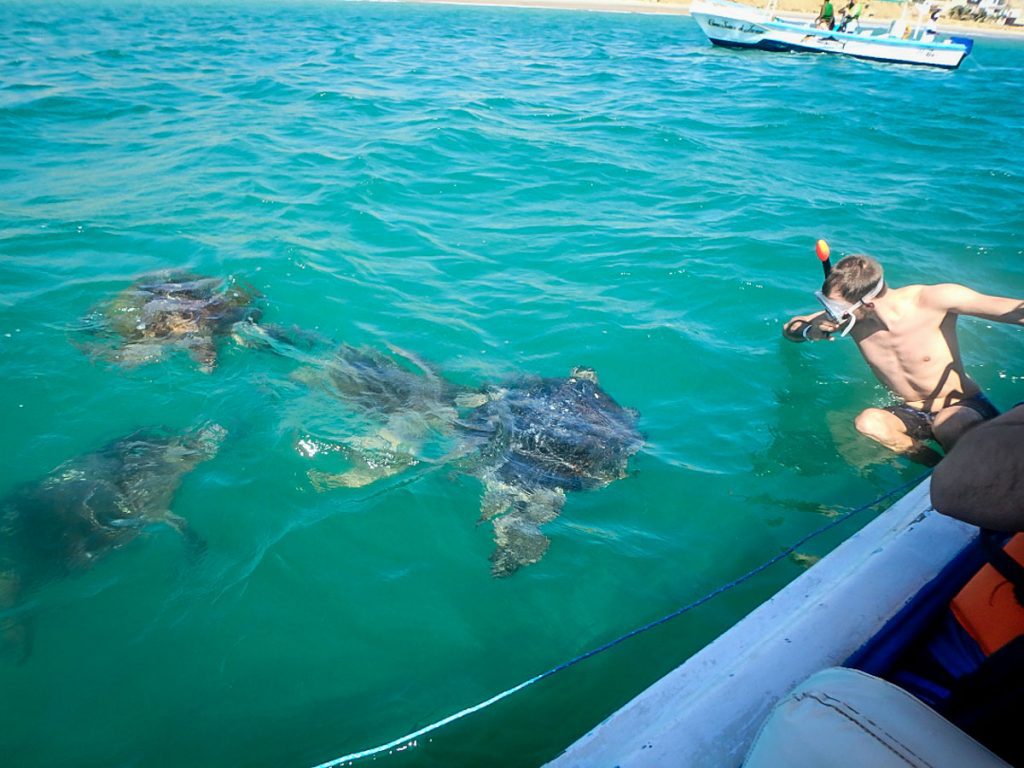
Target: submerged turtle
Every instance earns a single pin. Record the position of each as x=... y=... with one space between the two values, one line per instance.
x=171 y=310
x=90 y=506
x=404 y=401
x=406 y=406
x=540 y=438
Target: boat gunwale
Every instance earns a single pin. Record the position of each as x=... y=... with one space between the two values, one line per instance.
x=706 y=712
x=883 y=39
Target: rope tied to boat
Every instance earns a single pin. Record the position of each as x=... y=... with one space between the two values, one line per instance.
x=410 y=739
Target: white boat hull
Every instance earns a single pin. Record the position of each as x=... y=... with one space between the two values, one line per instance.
x=706 y=713
x=737 y=26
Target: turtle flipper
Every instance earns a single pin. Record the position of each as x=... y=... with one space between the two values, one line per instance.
x=374 y=457
x=292 y=342
x=369 y=466
x=517 y=544
x=134 y=354
x=497 y=499
x=15 y=631
x=517 y=535
x=203 y=352
x=416 y=360
x=16 y=637
x=194 y=543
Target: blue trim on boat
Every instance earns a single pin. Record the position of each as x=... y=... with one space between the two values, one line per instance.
x=763 y=45
x=881 y=652
x=776 y=47
x=966 y=42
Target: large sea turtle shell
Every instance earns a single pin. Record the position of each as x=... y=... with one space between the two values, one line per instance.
x=563 y=433
x=170 y=310
x=539 y=438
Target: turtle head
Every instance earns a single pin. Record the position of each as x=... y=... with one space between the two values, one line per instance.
x=246 y=333
x=584 y=373
x=471 y=399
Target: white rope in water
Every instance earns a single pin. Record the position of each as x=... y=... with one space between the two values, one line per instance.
x=410 y=738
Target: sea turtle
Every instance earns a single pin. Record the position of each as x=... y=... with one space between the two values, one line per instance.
x=170 y=310
x=539 y=438
x=406 y=402
x=395 y=403
x=90 y=506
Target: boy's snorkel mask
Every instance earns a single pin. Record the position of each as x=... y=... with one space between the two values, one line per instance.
x=837 y=309
x=842 y=312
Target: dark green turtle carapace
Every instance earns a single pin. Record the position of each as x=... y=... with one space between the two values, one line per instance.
x=537 y=439
x=90 y=506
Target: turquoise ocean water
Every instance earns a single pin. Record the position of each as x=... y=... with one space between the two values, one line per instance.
x=501 y=192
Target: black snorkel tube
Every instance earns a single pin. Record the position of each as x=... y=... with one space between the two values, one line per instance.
x=821 y=248
x=824 y=252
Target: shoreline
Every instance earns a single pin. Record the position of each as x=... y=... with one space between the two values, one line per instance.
x=655 y=7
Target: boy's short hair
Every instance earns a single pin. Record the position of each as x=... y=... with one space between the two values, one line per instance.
x=853 y=277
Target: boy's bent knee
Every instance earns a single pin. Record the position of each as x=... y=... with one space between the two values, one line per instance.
x=885 y=428
x=874 y=423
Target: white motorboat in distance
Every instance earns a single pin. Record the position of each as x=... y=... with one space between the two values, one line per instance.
x=735 y=25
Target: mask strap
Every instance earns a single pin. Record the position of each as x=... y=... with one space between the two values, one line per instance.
x=867 y=297
x=873 y=292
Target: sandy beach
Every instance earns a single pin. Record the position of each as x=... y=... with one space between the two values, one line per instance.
x=877 y=12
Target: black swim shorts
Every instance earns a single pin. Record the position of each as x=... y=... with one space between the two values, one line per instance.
x=919 y=423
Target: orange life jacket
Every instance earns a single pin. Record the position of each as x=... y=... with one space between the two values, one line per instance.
x=987 y=607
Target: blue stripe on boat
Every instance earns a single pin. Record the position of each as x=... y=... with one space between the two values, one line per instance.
x=776 y=47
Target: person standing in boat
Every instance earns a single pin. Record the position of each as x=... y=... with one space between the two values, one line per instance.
x=930 y=30
x=827 y=18
x=908 y=338
x=851 y=16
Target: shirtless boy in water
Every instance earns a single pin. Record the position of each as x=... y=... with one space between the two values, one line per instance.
x=908 y=338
